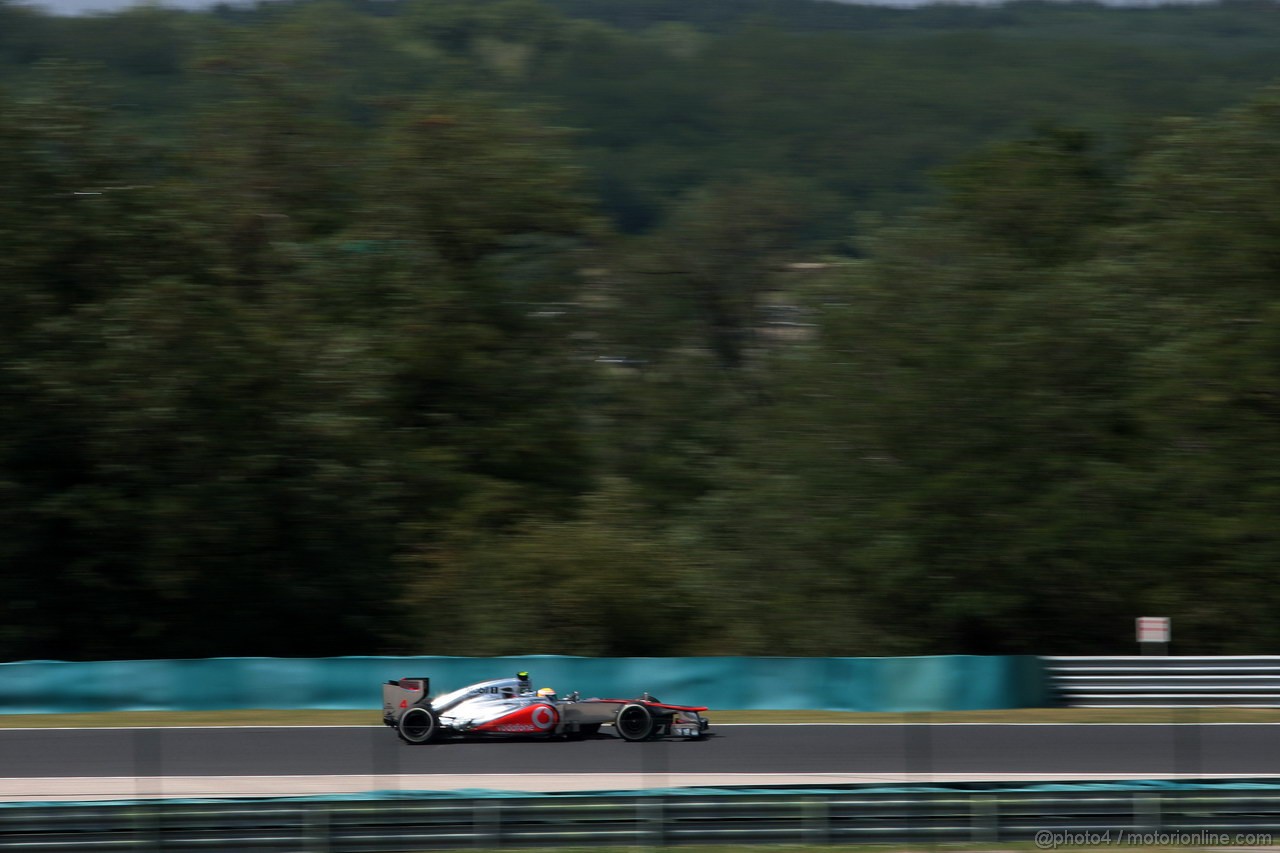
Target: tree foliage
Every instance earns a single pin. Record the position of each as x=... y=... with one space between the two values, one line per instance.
x=317 y=338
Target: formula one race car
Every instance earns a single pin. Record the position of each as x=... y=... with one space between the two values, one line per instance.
x=508 y=707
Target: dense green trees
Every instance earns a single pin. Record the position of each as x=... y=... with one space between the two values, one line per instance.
x=1036 y=411
x=317 y=339
x=233 y=415
x=666 y=97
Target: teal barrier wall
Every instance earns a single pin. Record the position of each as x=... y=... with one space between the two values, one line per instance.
x=947 y=683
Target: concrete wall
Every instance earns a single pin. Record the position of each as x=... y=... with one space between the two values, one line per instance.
x=945 y=683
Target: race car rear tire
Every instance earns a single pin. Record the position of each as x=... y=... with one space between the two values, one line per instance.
x=418 y=725
x=633 y=722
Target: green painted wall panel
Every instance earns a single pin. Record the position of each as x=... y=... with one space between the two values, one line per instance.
x=948 y=683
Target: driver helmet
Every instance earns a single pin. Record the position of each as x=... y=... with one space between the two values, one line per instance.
x=547 y=693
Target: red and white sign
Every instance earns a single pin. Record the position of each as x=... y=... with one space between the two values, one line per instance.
x=1153 y=629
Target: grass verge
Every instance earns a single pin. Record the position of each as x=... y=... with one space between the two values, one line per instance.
x=373 y=717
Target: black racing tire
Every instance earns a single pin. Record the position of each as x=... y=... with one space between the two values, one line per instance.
x=418 y=725
x=634 y=722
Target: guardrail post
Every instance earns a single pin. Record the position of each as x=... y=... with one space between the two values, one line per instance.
x=984 y=817
x=146 y=827
x=649 y=822
x=1146 y=812
x=316 y=834
x=486 y=823
x=815 y=816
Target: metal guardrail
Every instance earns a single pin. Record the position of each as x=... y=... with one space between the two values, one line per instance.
x=913 y=815
x=1158 y=681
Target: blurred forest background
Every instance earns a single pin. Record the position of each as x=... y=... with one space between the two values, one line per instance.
x=638 y=327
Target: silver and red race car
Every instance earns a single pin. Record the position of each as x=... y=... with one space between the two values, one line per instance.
x=509 y=707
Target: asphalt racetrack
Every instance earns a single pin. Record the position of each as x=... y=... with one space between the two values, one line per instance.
x=916 y=751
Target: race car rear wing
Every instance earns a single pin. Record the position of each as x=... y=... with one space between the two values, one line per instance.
x=400 y=696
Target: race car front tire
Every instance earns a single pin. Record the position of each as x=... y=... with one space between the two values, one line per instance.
x=634 y=722
x=418 y=725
